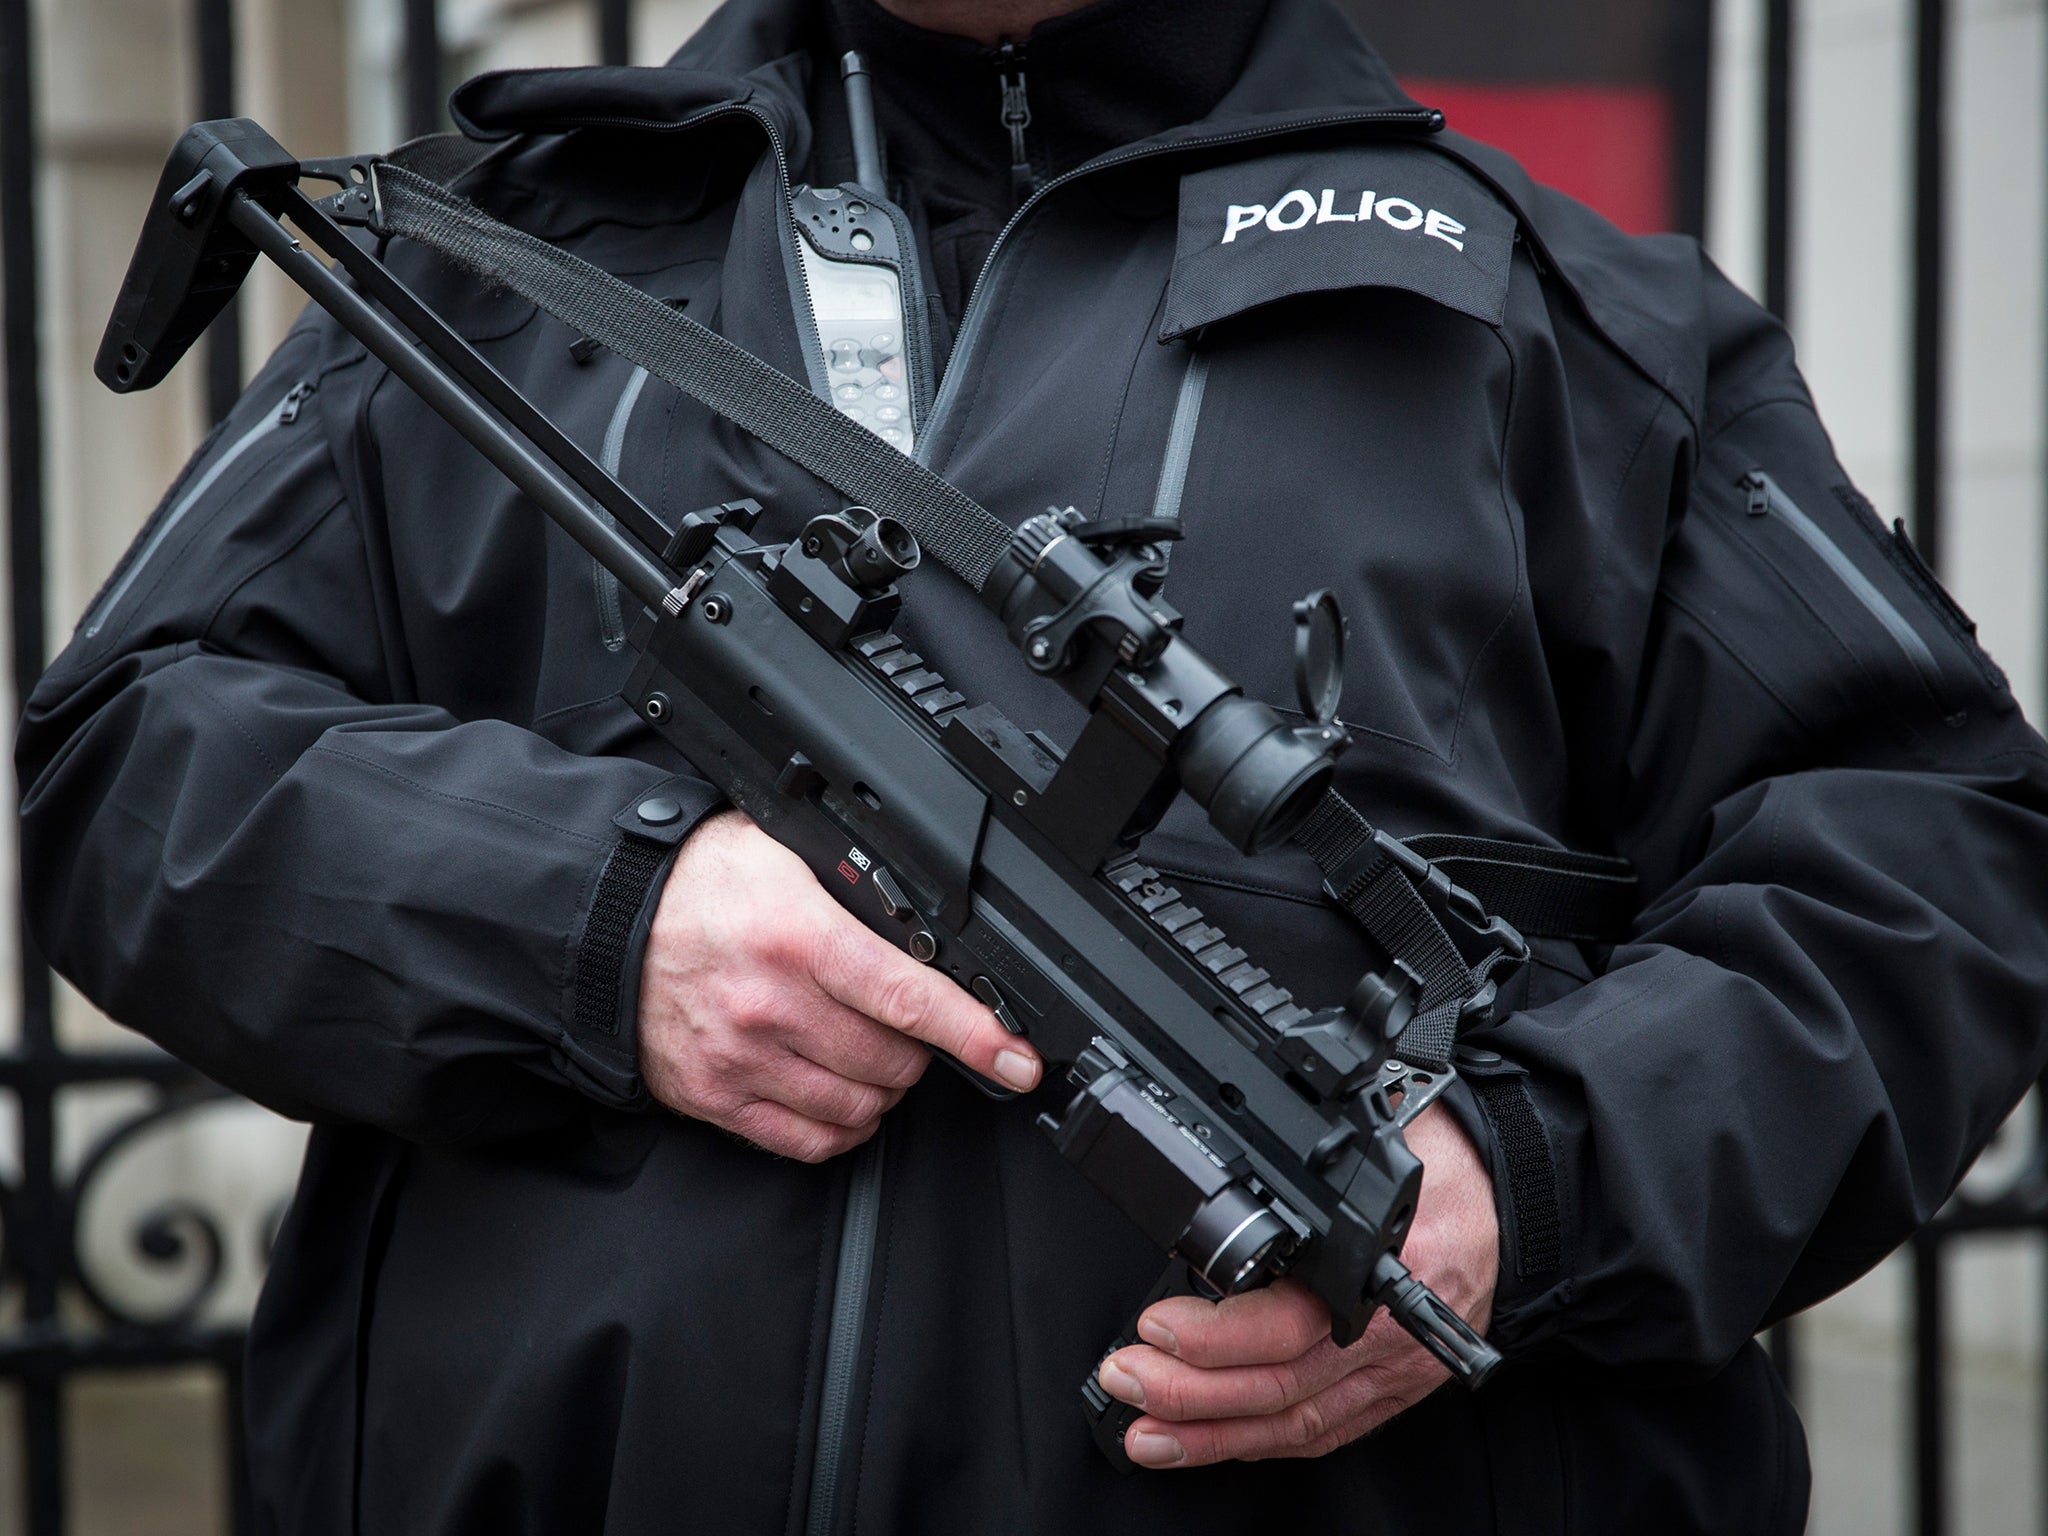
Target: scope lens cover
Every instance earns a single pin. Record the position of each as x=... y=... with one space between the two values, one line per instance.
x=1319 y=655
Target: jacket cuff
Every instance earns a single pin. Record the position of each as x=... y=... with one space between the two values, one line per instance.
x=1493 y=1101
x=600 y=1048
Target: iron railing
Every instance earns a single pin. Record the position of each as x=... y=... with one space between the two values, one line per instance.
x=68 y=1321
x=54 y=1339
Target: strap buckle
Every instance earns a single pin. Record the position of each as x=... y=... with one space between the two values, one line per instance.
x=360 y=202
x=1480 y=937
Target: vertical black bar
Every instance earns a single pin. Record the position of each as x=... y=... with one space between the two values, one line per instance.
x=43 y=1454
x=615 y=31
x=241 y=1503
x=1930 y=187
x=34 y=1242
x=1930 y=1471
x=213 y=29
x=422 y=68
x=18 y=255
x=1689 y=76
x=1778 y=149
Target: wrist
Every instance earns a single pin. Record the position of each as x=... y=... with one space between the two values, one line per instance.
x=600 y=1050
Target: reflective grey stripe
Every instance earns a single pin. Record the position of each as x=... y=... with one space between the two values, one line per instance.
x=241 y=445
x=842 y=1345
x=1180 y=440
x=1881 y=607
x=611 y=620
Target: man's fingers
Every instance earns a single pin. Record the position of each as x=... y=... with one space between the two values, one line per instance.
x=816 y=1094
x=1315 y=1426
x=879 y=980
x=1172 y=1389
x=779 y=1129
x=855 y=1046
x=1270 y=1326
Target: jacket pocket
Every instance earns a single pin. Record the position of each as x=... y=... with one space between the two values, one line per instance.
x=210 y=467
x=1766 y=498
x=1897 y=548
x=1834 y=617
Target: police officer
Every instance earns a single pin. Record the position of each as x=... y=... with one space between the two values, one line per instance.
x=631 y=1202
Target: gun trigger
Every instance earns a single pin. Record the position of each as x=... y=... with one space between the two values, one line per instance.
x=986 y=990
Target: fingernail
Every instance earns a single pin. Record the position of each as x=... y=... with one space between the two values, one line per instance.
x=1017 y=1069
x=1121 y=1384
x=1158 y=1335
x=1148 y=1449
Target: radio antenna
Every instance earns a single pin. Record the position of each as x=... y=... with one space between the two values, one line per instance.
x=860 y=114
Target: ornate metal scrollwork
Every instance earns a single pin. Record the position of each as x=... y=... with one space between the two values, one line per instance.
x=194 y=1238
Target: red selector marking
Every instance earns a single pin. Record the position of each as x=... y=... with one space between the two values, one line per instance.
x=852 y=874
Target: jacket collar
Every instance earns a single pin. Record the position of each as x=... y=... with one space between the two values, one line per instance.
x=1307 y=65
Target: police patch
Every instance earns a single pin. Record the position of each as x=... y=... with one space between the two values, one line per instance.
x=1391 y=216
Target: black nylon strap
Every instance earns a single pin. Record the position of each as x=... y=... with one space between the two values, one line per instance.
x=1545 y=892
x=955 y=530
x=1378 y=893
x=1551 y=893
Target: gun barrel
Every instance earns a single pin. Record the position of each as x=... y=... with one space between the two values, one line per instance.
x=1431 y=1322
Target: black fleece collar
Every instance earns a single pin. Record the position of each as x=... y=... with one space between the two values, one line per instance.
x=1099 y=78
x=1305 y=63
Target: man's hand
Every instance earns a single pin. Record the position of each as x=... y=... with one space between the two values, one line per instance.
x=767 y=1009
x=1256 y=1375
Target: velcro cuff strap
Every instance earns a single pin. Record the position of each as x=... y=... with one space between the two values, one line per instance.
x=1531 y=1171
x=622 y=891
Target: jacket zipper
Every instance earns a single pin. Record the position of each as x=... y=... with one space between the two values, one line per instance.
x=611 y=618
x=1180 y=437
x=1180 y=444
x=917 y=320
x=971 y=320
x=283 y=414
x=851 y=1280
x=1016 y=118
x=1768 y=498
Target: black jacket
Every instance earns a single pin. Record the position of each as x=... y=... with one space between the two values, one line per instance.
x=322 y=797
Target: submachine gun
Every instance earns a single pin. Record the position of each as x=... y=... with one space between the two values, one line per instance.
x=1248 y=1135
